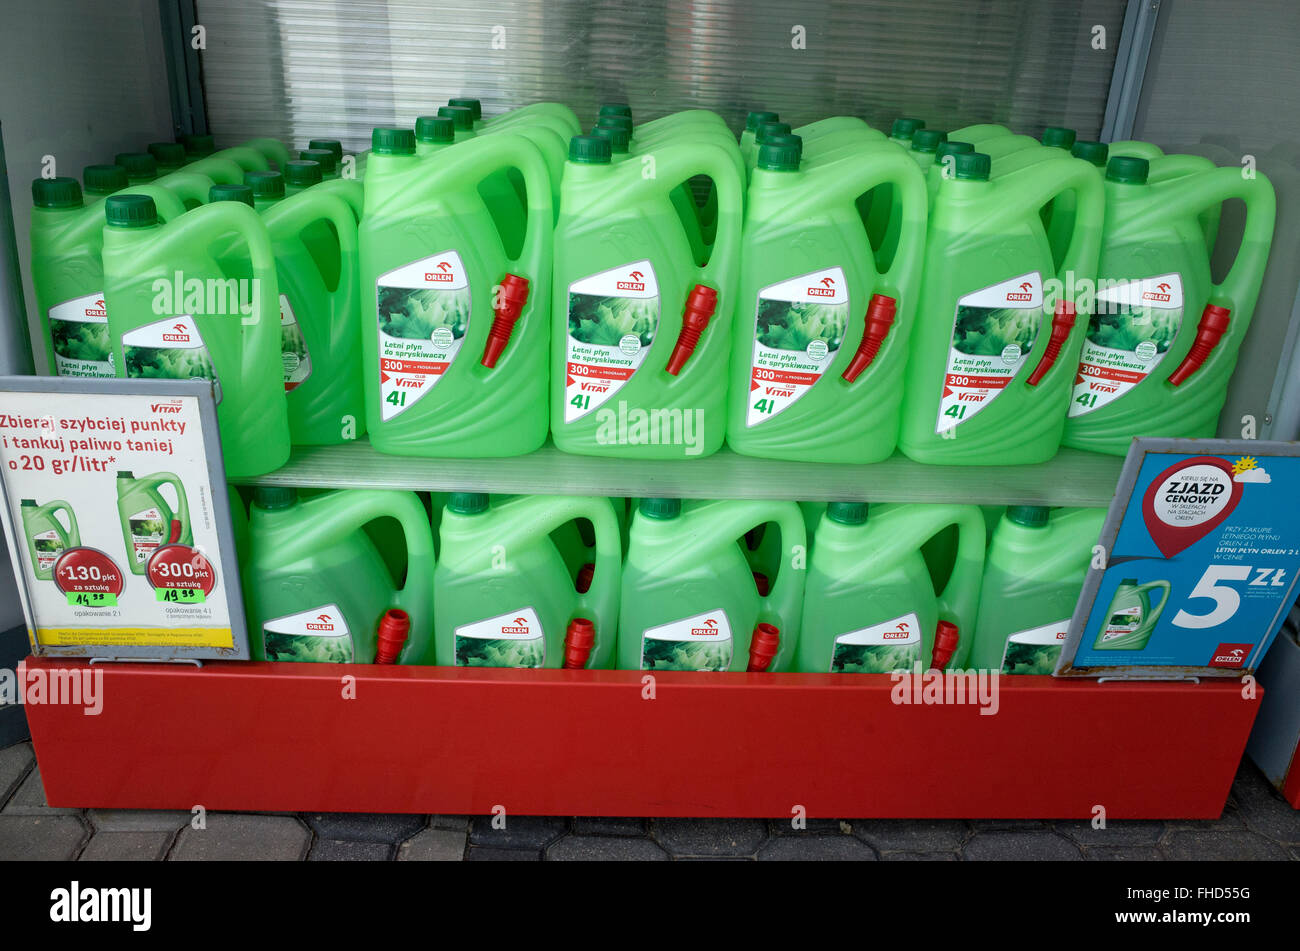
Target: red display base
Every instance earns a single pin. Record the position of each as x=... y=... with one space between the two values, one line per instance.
x=286 y=737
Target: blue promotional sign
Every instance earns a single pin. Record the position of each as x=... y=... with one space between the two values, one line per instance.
x=1202 y=550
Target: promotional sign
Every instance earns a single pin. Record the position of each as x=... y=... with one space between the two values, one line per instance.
x=117 y=518
x=1202 y=547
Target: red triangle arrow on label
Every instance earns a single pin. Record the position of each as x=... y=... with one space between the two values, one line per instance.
x=753 y=385
x=568 y=381
x=1078 y=378
x=947 y=391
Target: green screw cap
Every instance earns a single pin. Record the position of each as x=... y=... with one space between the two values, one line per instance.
x=1058 y=137
x=392 y=142
x=905 y=127
x=265 y=184
x=197 y=146
x=464 y=118
x=1129 y=581
x=322 y=157
x=590 y=150
x=274 y=496
x=28 y=502
x=435 y=129
x=927 y=140
x=140 y=166
x=1128 y=170
x=62 y=192
x=167 y=154
x=971 y=166
x=104 y=179
x=130 y=211
x=781 y=153
x=766 y=130
x=468 y=503
x=615 y=109
x=617 y=122
x=757 y=118
x=618 y=138
x=242 y=193
x=302 y=174
x=1031 y=516
x=847 y=513
x=952 y=148
x=125 y=474
x=473 y=105
x=1094 y=152
x=334 y=145
x=661 y=508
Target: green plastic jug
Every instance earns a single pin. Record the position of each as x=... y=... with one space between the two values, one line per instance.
x=47 y=537
x=977 y=135
x=455 y=359
x=315 y=588
x=748 y=144
x=505 y=191
x=67 y=266
x=871 y=605
x=320 y=324
x=1037 y=561
x=690 y=600
x=238 y=521
x=989 y=375
x=819 y=339
x=320 y=241
x=197 y=329
x=1145 y=370
x=640 y=338
x=170 y=156
x=502 y=594
x=1130 y=618
x=147 y=519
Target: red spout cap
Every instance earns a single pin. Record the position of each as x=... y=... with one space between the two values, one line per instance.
x=393 y=628
x=579 y=639
x=761 y=584
x=175 y=534
x=700 y=305
x=1062 y=324
x=762 y=647
x=509 y=305
x=946 y=638
x=583 y=581
x=1212 y=325
x=880 y=317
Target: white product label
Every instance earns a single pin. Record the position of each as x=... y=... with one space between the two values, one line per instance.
x=49 y=546
x=149 y=529
x=1121 y=622
x=798 y=328
x=993 y=334
x=424 y=310
x=1134 y=326
x=319 y=635
x=613 y=319
x=701 y=642
x=79 y=333
x=1036 y=649
x=170 y=348
x=294 y=356
x=515 y=639
x=880 y=648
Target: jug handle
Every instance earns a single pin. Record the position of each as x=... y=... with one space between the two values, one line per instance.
x=416 y=596
x=1175 y=166
x=273 y=150
x=784 y=603
x=187 y=186
x=182 y=503
x=249 y=159
x=73 y=532
x=349 y=189
x=170 y=201
x=221 y=170
x=1164 y=595
x=959 y=600
x=307 y=207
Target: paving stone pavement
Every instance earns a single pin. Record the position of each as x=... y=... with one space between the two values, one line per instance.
x=1256 y=824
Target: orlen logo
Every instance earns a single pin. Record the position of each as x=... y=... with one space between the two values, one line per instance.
x=519 y=627
x=96 y=310
x=826 y=290
x=1162 y=294
x=1023 y=293
x=711 y=627
x=322 y=623
x=633 y=283
x=900 y=633
x=444 y=273
x=181 y=334
x=1231 y=655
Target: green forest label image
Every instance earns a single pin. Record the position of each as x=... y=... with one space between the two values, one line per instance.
x=293 y=347
x=1035 y=650
x=1134 y=326
x=993 y=333
x=148 y=530
x=880 y=648
x=79 y=333
x=424 y=310
x=514 y=639
x=318 y=636
x=798 y=328
x=169 y=349
x=48 y=546
x=613 y=319
x=702 y=642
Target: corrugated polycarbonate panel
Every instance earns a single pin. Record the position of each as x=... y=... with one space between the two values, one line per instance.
x=297 y=69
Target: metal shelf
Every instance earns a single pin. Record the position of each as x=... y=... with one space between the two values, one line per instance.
x=1073 y=477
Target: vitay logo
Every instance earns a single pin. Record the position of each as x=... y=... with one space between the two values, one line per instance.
x=96 y=310
x=826 y=290
x=180 y=334
x=711 y=627
x=900 y=633
x=323 y=623
x=1161 y=294
x=1231 y=655
x=519 y=627
x=1023 y=293
x=633 y=282
x=444 y=273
